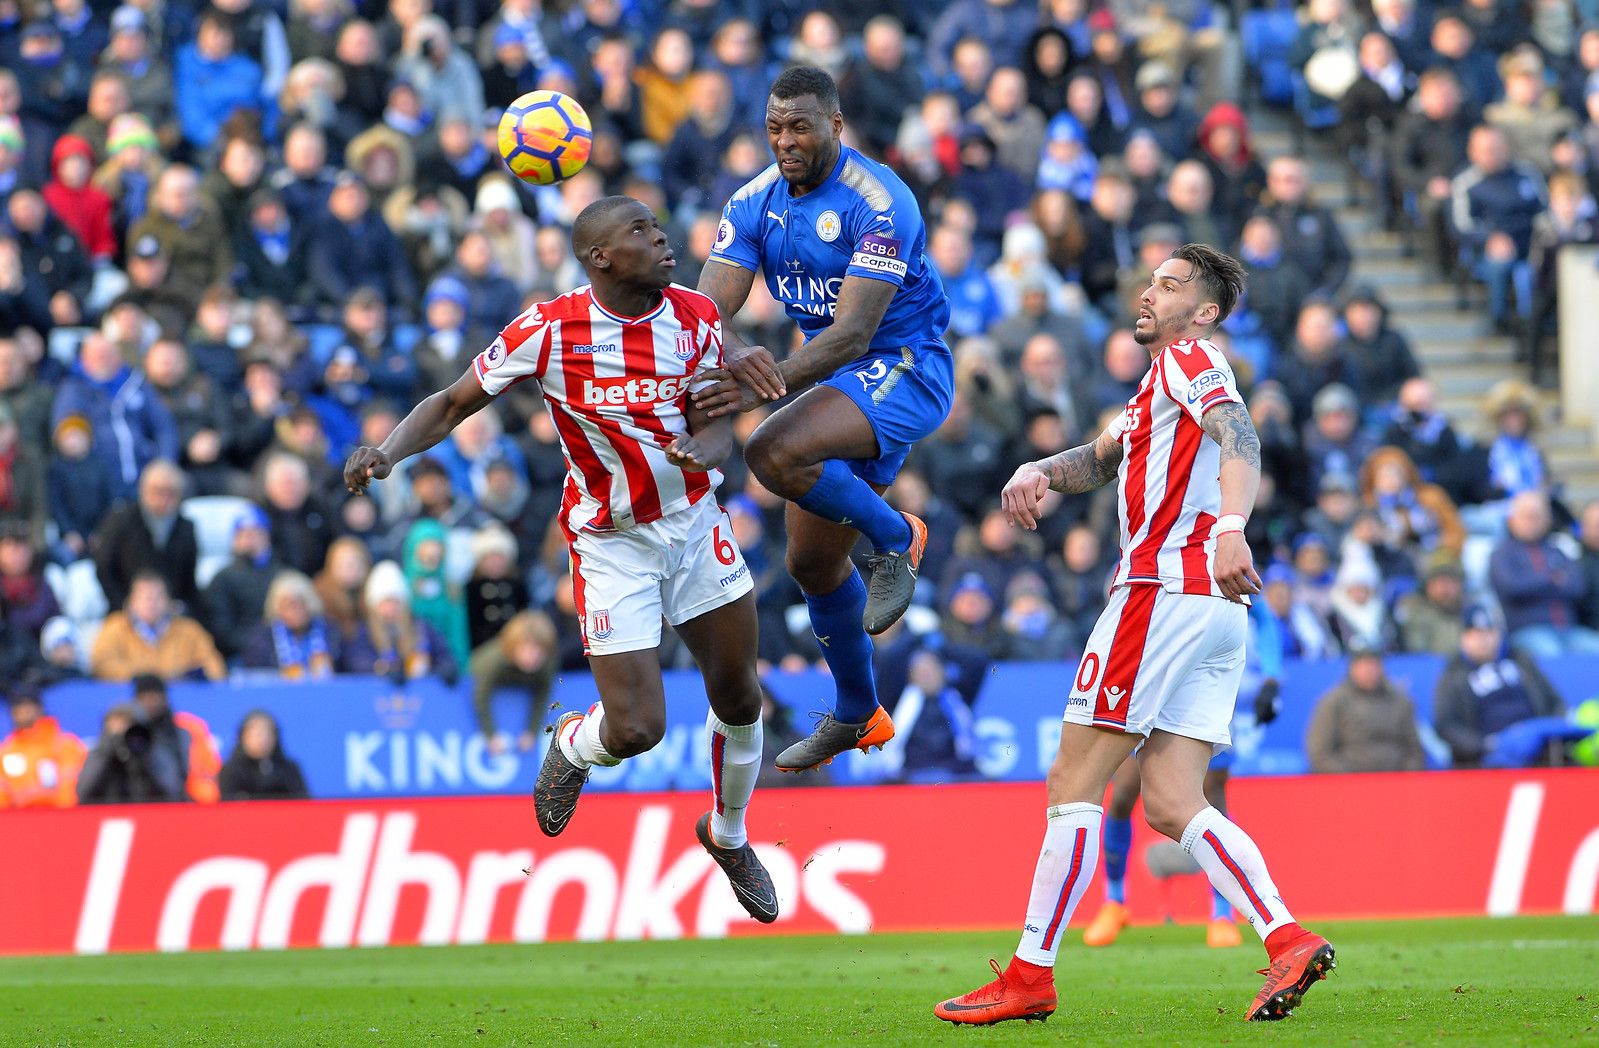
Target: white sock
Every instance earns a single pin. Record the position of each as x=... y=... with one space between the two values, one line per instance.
x=735 y=764
x=581 y=742
x=1065 y=866
x=1235 y=866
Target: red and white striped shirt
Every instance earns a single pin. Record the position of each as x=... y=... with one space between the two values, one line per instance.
x=617 y=388
x=1169 y=481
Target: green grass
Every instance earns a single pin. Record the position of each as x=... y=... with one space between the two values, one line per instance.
x=1457 y=982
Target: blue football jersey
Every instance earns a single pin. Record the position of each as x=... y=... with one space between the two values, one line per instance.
x=861 y=222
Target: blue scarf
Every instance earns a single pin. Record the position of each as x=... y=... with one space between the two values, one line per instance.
x=308 y=661
x=151 y=634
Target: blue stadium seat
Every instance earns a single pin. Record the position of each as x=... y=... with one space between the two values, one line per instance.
x=1266 y=37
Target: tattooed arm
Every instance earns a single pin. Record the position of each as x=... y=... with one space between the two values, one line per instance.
x=1230 y=426
x=1071 y=472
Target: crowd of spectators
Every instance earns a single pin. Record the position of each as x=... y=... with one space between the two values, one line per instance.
x=239 y=239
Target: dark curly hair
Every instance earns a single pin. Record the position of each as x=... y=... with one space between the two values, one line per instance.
x=1221 y=275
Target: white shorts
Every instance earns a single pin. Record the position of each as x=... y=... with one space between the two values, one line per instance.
x=680 y=567
x=1162 y=660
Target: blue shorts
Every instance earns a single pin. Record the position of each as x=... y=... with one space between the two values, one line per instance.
x=904 y=393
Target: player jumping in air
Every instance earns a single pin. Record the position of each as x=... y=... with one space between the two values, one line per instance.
x=616 y=361
x=1161 y=669
x=839 y=240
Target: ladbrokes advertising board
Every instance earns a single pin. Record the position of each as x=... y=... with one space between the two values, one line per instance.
x=474 y=869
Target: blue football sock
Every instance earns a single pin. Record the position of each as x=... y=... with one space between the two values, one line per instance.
x=1220 y=908
x=836 y=621
x=842 y=497
x=1118 y=842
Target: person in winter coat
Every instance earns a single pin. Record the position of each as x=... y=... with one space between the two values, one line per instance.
x=236 y=595
x=78 y=486
x=1429 y=618
x=182 y=732
x=1429 y=146
x=1365 y=723
x=270 y=250
x=129 y=172
x=444 y=77
x=1539 y=586
x=50 y=260
x=1417 y=516
x=1311 y=236
x=295 y=638
x=1359 y=614
x=39 y=763
x=124 y=768
x=27 y=599
x=1381 y=355
x=190 y=232
x=338 y=585
x=351 y=247
x=199 y=411
x=523 y=656
x=212 y=80
x=22 y=480
x=433 y=599
x=148 y=638
x=131 y=427
x=1486 y=688
x=1224 y=148
x=258 y=769
x=80 y=206
x=394 y=642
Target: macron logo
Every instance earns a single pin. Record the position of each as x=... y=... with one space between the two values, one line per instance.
x=625 y=391
x=1113 y=696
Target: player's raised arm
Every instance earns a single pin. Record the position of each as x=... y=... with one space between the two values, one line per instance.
x=1072 y=472
x=862 y=302
x=427 y=424
x=1230 y=426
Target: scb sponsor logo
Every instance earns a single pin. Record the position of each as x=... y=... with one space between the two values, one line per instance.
x=371 y=885
x=620 y=391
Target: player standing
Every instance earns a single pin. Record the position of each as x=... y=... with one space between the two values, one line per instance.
x=839 y=239
x=616 y=361
x=1162 y=667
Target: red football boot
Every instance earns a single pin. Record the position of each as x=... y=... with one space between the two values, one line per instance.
x=1021 y=991
x=1298 y=963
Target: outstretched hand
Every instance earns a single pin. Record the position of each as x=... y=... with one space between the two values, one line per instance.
x=364 y=466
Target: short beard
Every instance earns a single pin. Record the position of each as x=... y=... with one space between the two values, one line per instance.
x=1149 y=339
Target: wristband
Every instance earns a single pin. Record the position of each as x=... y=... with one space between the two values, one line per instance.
x=1228 y=523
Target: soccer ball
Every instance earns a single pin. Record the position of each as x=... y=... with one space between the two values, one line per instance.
x=545 y=136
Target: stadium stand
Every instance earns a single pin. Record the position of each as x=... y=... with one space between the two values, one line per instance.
x=242 y=239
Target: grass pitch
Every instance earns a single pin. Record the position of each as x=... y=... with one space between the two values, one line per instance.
x=1456 y=982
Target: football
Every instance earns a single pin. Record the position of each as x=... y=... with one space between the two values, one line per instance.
x=545 y=136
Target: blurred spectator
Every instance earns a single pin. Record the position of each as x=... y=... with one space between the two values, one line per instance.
x=181 y=732
x=1429 y=148
x=1365 y=723
x=1455 y=48
x=240 y=164
x=1588 y=537
x=1416 y=516
x=80 y=206
x=1090 y=118
x=497 y=213
x=961 y=458
x=1539 y=586
x=433 y=598
x=150 y=289
x=1381 y=355
x=198 y=411
x=1311 y=236
x=1367 y=114
x=1301 y=631
x=1492 y=206
x=994 y=191
x=339 y=583
x=258 y=769
x=1108 y=230
x=1079 y=579
x=62 y=650
x=125 y=767
x=1530 y=114
x=50 y=256
x=1161 y=111
x=27 y=600
x=877 y=88
x=1572 y=218
x=54 y=81
x=520 y=656
x=1239 y=179
x=27 y=398
x=494 y=593
x=1314 y=360
x=1334 y=440
x=146 y=535
x=1037 y=314
x=1359 y=614
x=1014 y=126
x=974 y=306
x=301 y=526
x=446 y=80
x=235 y=595
x=1422 y=432
x=1429 y=619
x=305 y=181
x=969 y=618
x=133 y=53
x=270 y=247
x=192 y=236
x=1280 y=451
x=1190 y=196
x=394 y=643
x=1124 y=366
x=292 y=634
x=148 y=637
x=663 y=84
x=212 y=80
x=351 y=246
x=1033 y=630
x=22 y=479
x=1047 y=63
x=689 y=164
x=1003 y=25
x=24 y=303
x=1515 y=463
x=1486 y=688
x=79 y=485
x=39 y=763
x=935 y=721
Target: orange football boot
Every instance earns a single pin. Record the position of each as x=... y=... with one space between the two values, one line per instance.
x=1017 y=992
x=1106 y=925
x=1221 y=933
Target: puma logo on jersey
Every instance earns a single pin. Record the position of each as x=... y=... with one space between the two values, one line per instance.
x=620 y=391
x=1113 y=696
x=781 y=220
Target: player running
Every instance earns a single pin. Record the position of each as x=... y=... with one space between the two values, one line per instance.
x=1163 y=664
x=616 y=361
x=839 y=239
